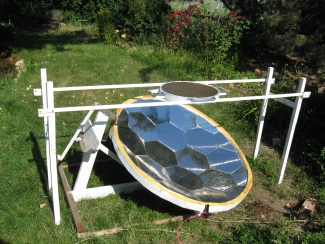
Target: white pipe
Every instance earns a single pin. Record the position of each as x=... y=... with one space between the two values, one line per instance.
x=100 y=87
x=292 y=126
x=45 y=112
x=261 y=120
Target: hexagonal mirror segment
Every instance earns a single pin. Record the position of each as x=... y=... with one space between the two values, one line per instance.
x=171 y=136
x=142 y=126
x=161 y=153
x=192 y=160
x=201 y=140
x=180 y=117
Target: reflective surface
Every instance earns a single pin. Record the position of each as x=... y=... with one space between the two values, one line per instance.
x=182 y=151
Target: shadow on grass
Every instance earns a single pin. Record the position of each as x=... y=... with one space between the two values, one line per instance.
x=21 y=39
x=3 y=242
x=73 y=159
x=107 y=170
x=144 y=74
x=110 y=172
x=41 y=165
x=144 y=198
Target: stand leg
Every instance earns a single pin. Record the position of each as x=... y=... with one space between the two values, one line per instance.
x=292 y=126
x=86 y=167
x=46 y=129
x=52 y=156
x=263 y=111
x=93 y=135
x=89 y=158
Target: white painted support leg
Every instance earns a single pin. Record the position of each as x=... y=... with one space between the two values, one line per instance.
x=86 y=167
x=292 y=126
x=267 y=88
x=52 y=149
x=89 y=158
x=46 y=129
x=80 y=191
x=103 y=191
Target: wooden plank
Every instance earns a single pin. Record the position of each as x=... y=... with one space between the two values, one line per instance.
x=75 y=212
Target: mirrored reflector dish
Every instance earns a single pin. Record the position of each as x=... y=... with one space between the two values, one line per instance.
x=181 y=155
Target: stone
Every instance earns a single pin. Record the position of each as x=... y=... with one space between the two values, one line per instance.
x=258 y=72
x=309 y=206
x=19 y=65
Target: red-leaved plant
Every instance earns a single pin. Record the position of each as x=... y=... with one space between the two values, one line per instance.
x=213 y=34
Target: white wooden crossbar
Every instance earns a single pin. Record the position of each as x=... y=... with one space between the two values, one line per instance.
x=38 y=92
x=45 y=112
x=80 y=190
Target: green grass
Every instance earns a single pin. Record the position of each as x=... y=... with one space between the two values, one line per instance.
x=211 y=4
x=73 y=60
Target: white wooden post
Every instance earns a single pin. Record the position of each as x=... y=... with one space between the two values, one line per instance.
x=267 y=88
x=292 y=126
x=46 y=129
x=52 y=156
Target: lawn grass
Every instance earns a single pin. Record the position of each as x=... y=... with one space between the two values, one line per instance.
x=73 y=60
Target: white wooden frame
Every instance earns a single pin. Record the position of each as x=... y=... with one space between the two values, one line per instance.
x=80 y=190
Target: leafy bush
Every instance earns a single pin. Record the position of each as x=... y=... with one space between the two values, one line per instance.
x=139 y=17
x=287 y=28
x=24 y=13
x=138 y=20
x=106 y=26
x=76 y=10
x=212 y=36
x=311 y=131
x=70 y=17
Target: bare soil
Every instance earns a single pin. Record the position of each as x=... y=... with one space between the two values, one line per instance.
x=269 y=203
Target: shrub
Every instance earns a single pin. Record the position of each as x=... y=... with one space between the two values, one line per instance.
x=24 y=13
x=139 y=17
x=75 y=10
x=287 y=28
x=106 y=26
x=212 y=36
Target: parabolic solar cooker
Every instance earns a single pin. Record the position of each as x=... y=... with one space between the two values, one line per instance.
x=180 y=154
